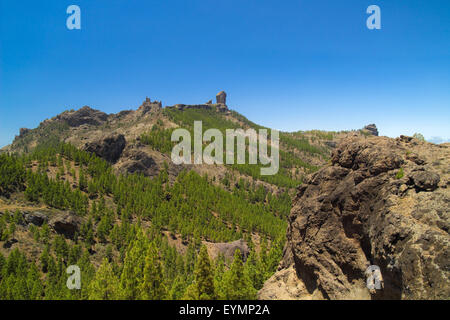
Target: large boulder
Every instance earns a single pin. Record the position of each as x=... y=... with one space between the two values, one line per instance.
x=37 y=218
x=66 y=223
x=373 y=205
x=425 y=180
x=371 y=129
x=109 y=148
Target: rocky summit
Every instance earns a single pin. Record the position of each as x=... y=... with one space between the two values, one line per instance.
x=382 y=202
x=371 y=129
x=221 y=97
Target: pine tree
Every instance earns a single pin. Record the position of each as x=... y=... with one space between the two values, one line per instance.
x=45 y=258
x=178 y=288
x=133 y=268
x=3 y=230
x=87 y=274
x=45 y=233
x=254 y=270
x=152 y=287
x=2 y=264
x=204 y=276
x=34 y=284
x=203 y=286
x=236 y=284
x=82 y=181
x=219 y=272
x=105 y=285
x=12 y=228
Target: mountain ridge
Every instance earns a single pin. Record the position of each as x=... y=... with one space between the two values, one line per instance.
x=85 y=186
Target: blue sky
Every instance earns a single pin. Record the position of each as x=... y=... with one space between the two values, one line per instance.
x=290 y=65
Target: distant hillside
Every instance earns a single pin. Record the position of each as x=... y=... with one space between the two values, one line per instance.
x=148 y=129
x=100 y=191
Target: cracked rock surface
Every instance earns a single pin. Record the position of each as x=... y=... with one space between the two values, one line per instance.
x=381 y=202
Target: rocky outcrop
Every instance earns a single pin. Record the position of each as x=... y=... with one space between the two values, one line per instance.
x=181 y=106
x=215 y=106
x=85 y=115
x=331 y=144
x=66 y=223
x=382 y=202
x=134 y=160
x=23 y=131
x=109 y=148
x=148 y=106
x=371 y=129
x=425 y=180
x=227 y=249
x=221 y=97
x=37 y=218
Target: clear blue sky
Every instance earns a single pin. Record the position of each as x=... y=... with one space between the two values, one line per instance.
x=290 y=65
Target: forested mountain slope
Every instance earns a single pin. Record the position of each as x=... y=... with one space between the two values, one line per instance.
x=100 y=191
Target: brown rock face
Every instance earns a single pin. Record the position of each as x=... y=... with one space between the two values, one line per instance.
x=374 y=205
x=36 y=218
x=67 y=224
x=149 y=106
x=85 y=115
x=135 y=160
x=23 y=131
x=372 y=129
x=109 y=148
x=221 y=97
x=228 y=249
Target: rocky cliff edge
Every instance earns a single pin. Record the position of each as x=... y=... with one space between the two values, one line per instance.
x=382 y=202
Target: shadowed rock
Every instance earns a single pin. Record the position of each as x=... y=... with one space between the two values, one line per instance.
x=36 y=218
x=137 y=161
x=9 y=243
x=109 y=148
x=372 y=129
x=85 y=115
x=66 y=224
x=425 y=180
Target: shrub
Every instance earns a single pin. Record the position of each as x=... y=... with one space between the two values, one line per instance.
x=400 y=174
